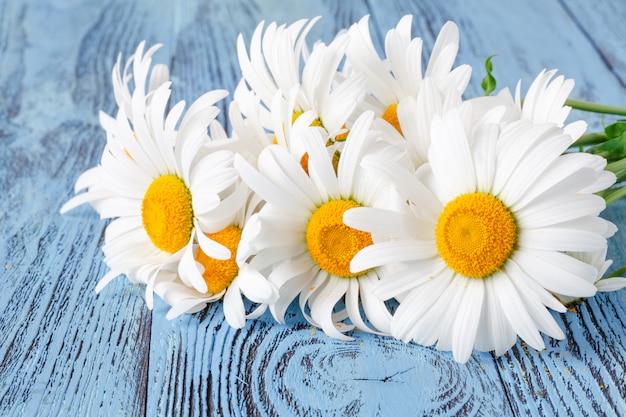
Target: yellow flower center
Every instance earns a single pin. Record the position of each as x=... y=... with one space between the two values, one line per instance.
x=218 y=274
x=331 y=243
x=475 y=234
x=167 y=213
x=391 y=115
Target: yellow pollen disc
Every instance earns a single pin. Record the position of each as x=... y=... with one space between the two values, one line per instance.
x=475 y=234
x=391 y=115
x=167 y=213
x=331 y=243
x=218 y=274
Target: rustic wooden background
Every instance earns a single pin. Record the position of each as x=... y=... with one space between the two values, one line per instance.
x=65 y=351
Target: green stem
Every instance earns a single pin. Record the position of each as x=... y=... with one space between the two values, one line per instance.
x=590 y=139
x=613 y=194
x=595 y=107
x=617 y=167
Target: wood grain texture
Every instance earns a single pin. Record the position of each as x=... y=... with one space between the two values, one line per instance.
x=67 y=351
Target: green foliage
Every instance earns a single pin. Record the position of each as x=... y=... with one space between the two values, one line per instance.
x=614 y=147
x=489 y=82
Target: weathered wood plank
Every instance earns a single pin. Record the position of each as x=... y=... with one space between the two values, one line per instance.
x=64 y=351
x=201 y=366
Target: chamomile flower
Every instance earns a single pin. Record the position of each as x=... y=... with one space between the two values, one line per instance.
x=299 y=232
x=491 y=217
x=226 y=279
x=251 y=136
x=160 y=185
x=399 y=93
x=309 y=82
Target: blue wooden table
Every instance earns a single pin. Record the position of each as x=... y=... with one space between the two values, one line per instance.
x=65 y=351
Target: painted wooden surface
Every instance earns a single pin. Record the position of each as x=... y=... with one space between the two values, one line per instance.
x=66 y=351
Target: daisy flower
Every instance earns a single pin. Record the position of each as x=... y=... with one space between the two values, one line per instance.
x=226 y=279
x=279 y=64
x=250 y=136
x=399 y=93
x=491 y=217
x=156 y=180
x=300 y=234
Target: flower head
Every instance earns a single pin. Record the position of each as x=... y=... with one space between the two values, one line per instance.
x=295 y=81
x=404 y=97
x=164 y=189
x=301 y=235
x=484 y=237
x=225 y=279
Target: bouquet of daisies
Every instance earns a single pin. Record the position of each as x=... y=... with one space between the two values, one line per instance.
x=368 y=189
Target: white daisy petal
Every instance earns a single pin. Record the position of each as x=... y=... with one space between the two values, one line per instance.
x=467 y=321
x=561 y=239
x=210 y=247
x=234 y=310
x=322 y=307
x=257 y=312
x=390 y=252
x=406 y=184
x=548 y=211
x=320 y=166
x=319 y=279
x=223 y=214
x=188 y=305
x=352 y=306
x=547 y=298
x=204 y=202
x=541 y=317
x=499 y=334
x=388 y=223
x=189 y=272
x=611 y=284
x=265 y=188
x=558 y=177
x=558 y=272
x=417 y=303
x=450 y=147
x=289 y=291
x=515 y=312
x=485 y=157
x=255 y=286
x=416 y=274
x=108 y=277
x=276 y=163
x=375 y=309
x=537 y=161
x=351 y=156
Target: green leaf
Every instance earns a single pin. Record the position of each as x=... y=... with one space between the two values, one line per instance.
x=489 y=82
x=615 y=130
x=614 y=148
